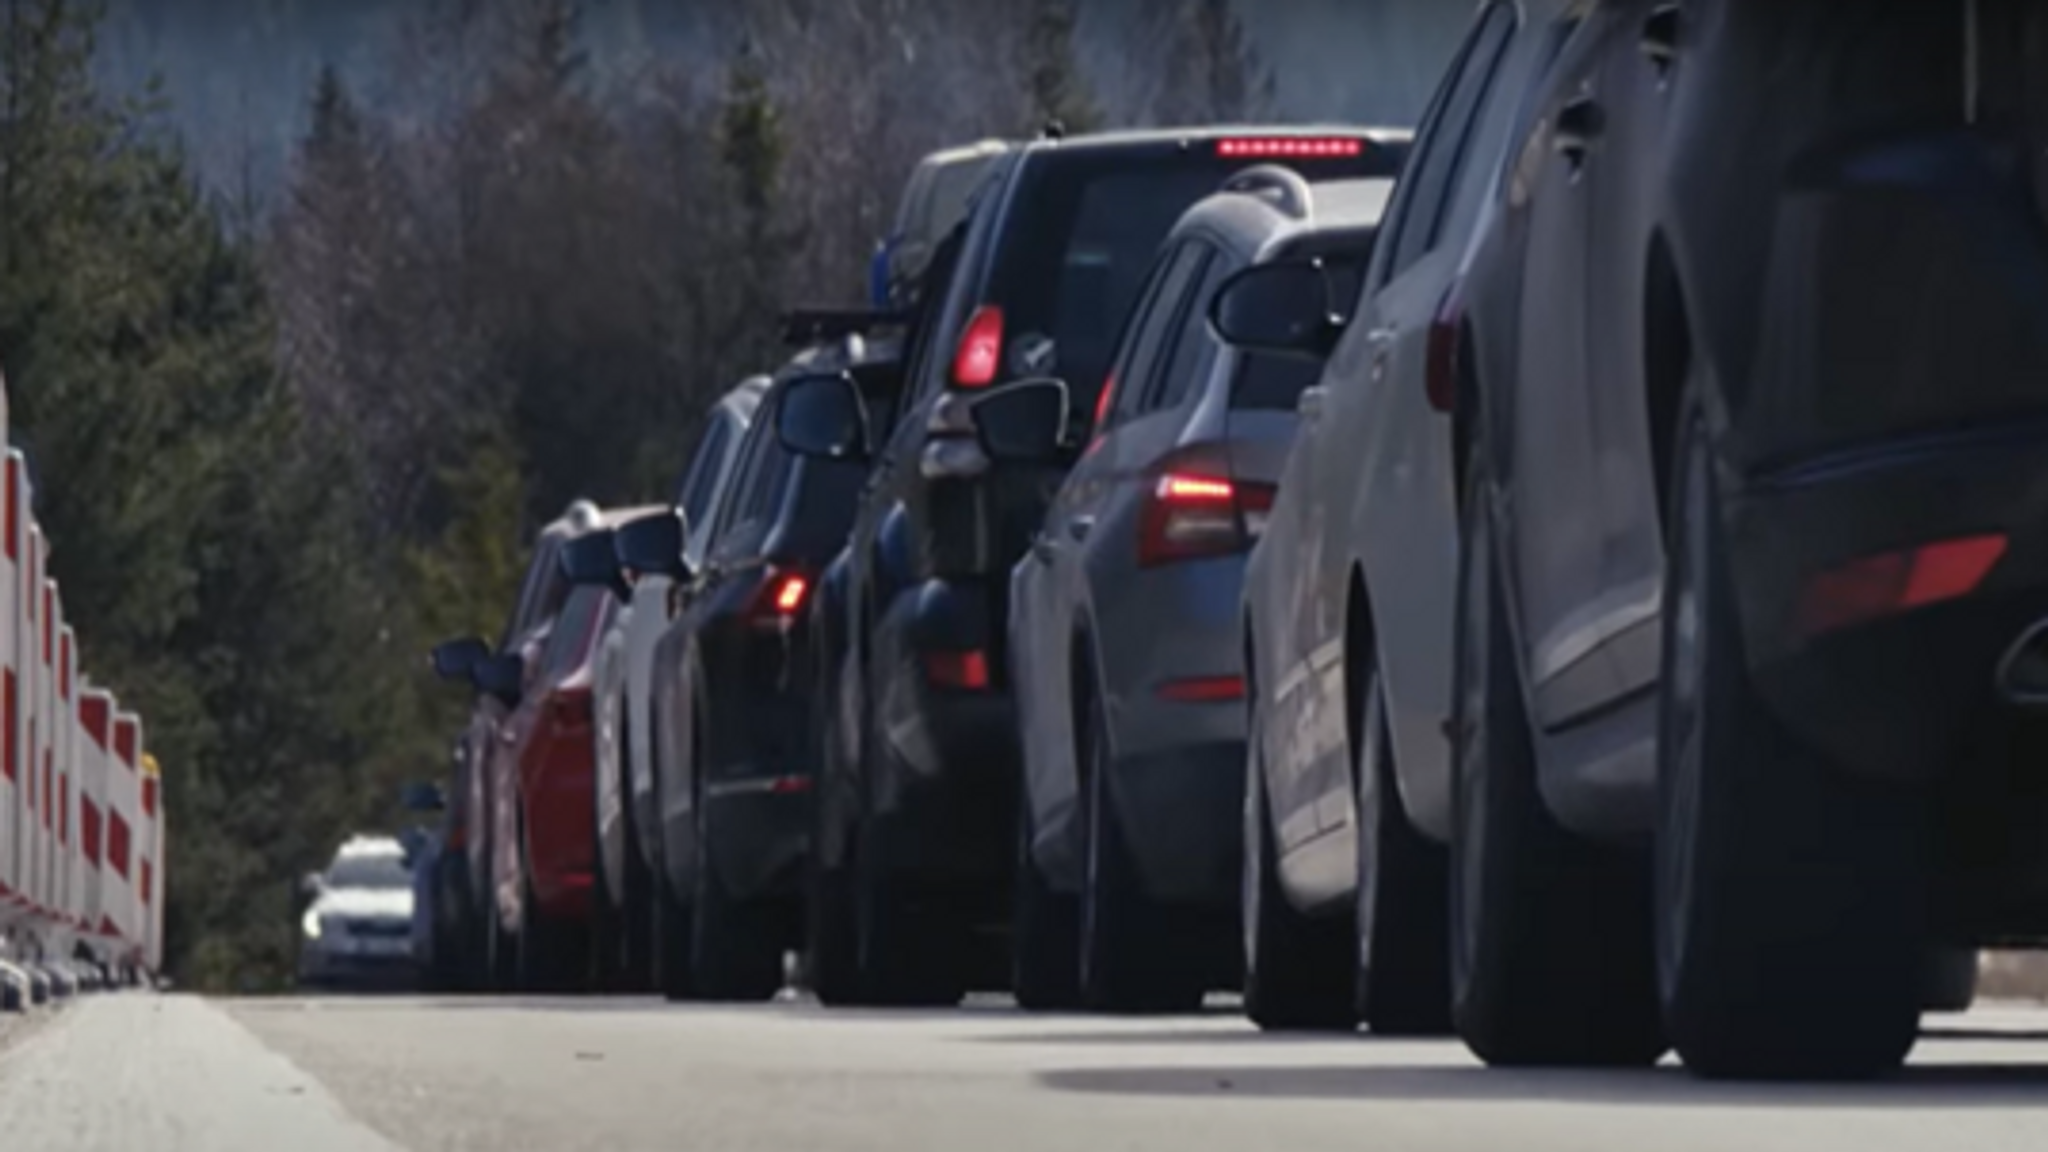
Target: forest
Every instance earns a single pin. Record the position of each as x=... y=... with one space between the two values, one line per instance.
x=304 y=429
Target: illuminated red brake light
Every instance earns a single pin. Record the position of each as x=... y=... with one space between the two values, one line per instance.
x=979 y=359
x=1307 y=147
x=1893 y=582
x=781 y=599
x=959 y=671
x=1103 y=401
x=1190 y=516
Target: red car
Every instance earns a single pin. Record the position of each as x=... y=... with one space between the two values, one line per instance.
x=542 y=786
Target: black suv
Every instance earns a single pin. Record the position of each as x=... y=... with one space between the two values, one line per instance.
x=732 y=757
x=917 y=823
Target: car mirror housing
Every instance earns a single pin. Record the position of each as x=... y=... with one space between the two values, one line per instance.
x=823 y=417
x=1287 y=308
x=591 y=560
x=653 y=544
x=453 y=659
x=502 y=676
x=1024 y=422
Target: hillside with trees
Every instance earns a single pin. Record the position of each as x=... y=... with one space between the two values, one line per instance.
x=305 y=429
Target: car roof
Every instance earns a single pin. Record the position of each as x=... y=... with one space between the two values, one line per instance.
x=362 y=844
x=1255 y=222
x=1129 y=138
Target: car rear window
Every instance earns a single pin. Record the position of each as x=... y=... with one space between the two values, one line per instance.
x=1089 y=223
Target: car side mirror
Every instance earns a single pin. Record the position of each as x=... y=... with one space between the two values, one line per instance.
x=453 y=659
x=591 y=560
x=653 y=544
x=1025 y=422
x=309 y=885
x=422 y=796
x=1287 y=308
x=823 y=417
x=502 y=676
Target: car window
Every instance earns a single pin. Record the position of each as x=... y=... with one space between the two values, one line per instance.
x=1194 y=349
x=1148 y=334
x=379 y=870
x=569 y=639
x=762 y=478
x=1418 y=209
x=694 y=497
x=546 y=588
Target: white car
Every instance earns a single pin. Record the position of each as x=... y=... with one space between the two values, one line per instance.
x=624 y=682
x=358 y=929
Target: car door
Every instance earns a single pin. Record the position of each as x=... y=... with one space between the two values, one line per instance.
x=1557 y=537
x=1380 y=489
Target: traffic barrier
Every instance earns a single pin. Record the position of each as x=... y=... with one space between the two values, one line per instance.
x=82 y=828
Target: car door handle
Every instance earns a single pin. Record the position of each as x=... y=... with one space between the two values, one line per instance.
x=1579 y=124
x=1310 y=406
x=1660 y=36
x=1080 y=526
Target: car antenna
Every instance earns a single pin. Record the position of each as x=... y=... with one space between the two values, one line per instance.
x=1055 y=129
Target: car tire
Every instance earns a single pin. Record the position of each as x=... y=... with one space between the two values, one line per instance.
x=1045 y=957
x=1299 y=970
x=1951 y=982
x=1550 y=953
x=552 y=951
x=910 y=950
x=736 y=952
x=1137 y=954
x=1791 y=895
x=674 y=977
x=1403 y=894
x=831 y=937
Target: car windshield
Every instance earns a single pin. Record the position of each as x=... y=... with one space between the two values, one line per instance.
x=376 y=870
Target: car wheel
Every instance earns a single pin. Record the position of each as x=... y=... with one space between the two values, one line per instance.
x=1951 y=981
x=1136 y=953
x=736 y=952
x=831 y=938
x=1403 y=894
x=501 y=952
x=909 y=949
x=1045 y=970
x=1790 y=895
x=551 y=951
x=1299 y=970
x=1549 y=948
x=670 y=928
x=607 y=918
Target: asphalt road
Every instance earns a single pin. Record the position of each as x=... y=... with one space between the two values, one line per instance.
x=174 y=1073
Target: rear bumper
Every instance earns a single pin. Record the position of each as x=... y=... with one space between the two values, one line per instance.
x=1182 y=814
x=759 y=828
x=946 y=785
x=1906 y=694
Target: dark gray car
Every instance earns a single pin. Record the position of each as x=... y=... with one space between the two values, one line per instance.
x=1124 y=641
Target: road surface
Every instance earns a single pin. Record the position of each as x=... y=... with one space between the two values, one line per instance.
x=179 y=1074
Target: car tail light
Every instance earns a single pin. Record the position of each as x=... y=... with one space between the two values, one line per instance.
x=1104 y=400
x=1203 y=690
x=979 y=358
x=781 y=599
x=1442 y=368
x=1893 y=582
x=1188 y=516
x=1301 y=147
x=960 y=671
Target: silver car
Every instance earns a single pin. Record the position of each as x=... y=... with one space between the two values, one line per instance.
x=1125 y=644
x=358 y=929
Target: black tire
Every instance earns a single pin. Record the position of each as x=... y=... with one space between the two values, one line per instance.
x=1137 y=954
x=831 y=937
x=1045 y=968
x=1300 y=972
x=1404 y=884
x=607 y=920
x=1551 y=962
x=1951 y=981
x=501 y=953
x=736 y=951
x=910 y=950
x=551 y=951
x=1791 y=934
x=674 y=977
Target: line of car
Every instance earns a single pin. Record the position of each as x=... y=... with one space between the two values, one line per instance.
x=1561 y=577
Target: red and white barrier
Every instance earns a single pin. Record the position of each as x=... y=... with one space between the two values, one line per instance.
x=81 y=819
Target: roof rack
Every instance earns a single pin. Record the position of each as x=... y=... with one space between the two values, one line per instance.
x=806 y=326
x=1283 y=187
